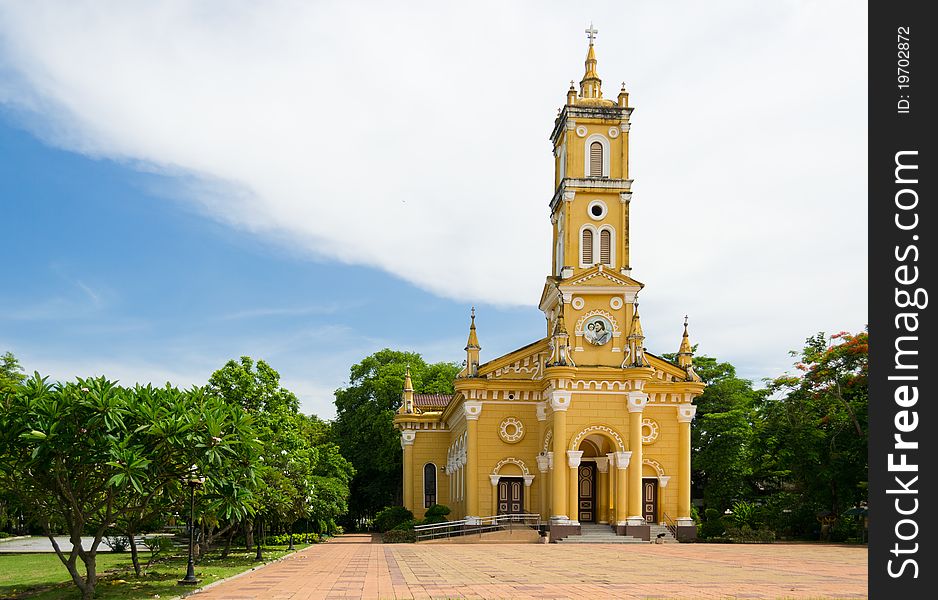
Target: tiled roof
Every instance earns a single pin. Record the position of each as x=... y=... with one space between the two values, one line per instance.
x=432 y=400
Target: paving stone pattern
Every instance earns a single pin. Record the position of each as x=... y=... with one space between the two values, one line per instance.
x=353 y=567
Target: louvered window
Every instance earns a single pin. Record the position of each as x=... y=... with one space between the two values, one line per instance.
x=587 y=247
x=605 y=247
x=596 y=159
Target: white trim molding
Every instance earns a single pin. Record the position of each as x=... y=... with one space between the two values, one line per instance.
x=472 y=409
x=596 y=137
x=686 y=412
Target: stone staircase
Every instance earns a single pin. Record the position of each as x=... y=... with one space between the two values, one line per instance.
x=593 y=533
x=657 y=528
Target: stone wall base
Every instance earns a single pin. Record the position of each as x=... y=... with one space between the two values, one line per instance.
x=562 y=531
x=642 y=532
x=687 y=533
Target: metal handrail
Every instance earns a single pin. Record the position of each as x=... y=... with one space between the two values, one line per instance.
x=670 y=524
x=480 y=525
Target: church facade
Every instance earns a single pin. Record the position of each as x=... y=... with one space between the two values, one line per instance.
x=584 y=425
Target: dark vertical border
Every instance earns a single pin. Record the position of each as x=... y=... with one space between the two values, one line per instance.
x=902 y=228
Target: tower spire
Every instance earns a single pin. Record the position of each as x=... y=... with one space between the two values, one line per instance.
x=685 y=355
x=591 y=84
x=635 y=352
x=407 y=398
x=472 y=347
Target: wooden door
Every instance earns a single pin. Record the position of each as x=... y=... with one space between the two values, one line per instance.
x=510 y=496
x=587 y=493
x=650 y=499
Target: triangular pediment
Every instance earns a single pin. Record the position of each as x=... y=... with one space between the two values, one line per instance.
x=525 y=362
x=601 y=276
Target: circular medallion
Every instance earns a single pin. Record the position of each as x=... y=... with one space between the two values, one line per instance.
x=615 y=303
x=581 y=131
x=613 y=132
x=578 y=303
x=511 y=430
x=597 y=330
x=649 y=431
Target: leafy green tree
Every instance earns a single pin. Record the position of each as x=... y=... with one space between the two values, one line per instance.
x=82 y=456
x=11 y=373
x=812 y=438
x=300 y=473
x=364 y=428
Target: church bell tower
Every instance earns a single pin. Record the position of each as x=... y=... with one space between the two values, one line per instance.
x=591 y=272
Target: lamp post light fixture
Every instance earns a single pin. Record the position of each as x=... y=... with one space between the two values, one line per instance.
x=193 y=482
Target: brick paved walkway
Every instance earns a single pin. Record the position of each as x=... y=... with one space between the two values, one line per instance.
x=352 y=567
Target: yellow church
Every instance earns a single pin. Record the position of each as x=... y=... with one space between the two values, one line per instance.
x=584 y=427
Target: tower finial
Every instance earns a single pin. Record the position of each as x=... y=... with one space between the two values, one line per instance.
x=591 y=33
x=591 y=84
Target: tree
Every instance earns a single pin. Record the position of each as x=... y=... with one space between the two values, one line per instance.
x=300 y=473
x=11 y=373
x=364 y=425
x=722 y=435
x=82 y=456
x=814 y=427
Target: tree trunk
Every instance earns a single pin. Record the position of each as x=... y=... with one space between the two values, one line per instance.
x=249 y=535
x=134 y=557
x=91 y=579
x=231 y=534
x=260 y=551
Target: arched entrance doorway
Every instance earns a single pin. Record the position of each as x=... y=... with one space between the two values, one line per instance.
x=593 y=499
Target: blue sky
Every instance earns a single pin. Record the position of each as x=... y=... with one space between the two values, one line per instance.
x=182 y=183
x=104 y=269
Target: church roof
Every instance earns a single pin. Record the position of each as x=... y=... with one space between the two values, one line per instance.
x=431 y=401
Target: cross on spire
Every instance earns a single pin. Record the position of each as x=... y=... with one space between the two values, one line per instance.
x=591 y=33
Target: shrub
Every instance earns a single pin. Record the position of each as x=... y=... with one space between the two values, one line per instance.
x=392 y=516
x=4 y=534
x=406 y=525
x=747 y=535
x=117 y=543
x=399 y=536
x=438 y=510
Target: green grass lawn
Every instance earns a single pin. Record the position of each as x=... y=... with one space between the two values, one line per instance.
x=44 y=577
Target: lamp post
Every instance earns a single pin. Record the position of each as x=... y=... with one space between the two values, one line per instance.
x=193 y=482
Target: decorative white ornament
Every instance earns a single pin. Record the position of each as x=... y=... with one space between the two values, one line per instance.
x=578 y=303
x=613 y=132
x=615 y=303
x=652 y=427
x=581 y=131
x=511 y=430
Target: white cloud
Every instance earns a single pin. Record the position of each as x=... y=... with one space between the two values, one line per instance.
x=414 y=138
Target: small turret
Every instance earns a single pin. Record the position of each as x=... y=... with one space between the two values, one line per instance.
x=635 y=350
x=685 y=355
x=407 y=398
x=472 y=348
x=560 y=342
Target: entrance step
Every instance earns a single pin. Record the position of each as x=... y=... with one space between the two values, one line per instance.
x=657 y=529
x=591 y=533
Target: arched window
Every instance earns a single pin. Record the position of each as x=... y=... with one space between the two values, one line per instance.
x=586 y=247
x=605 y=247
x=429 y=485
x=596 y=159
